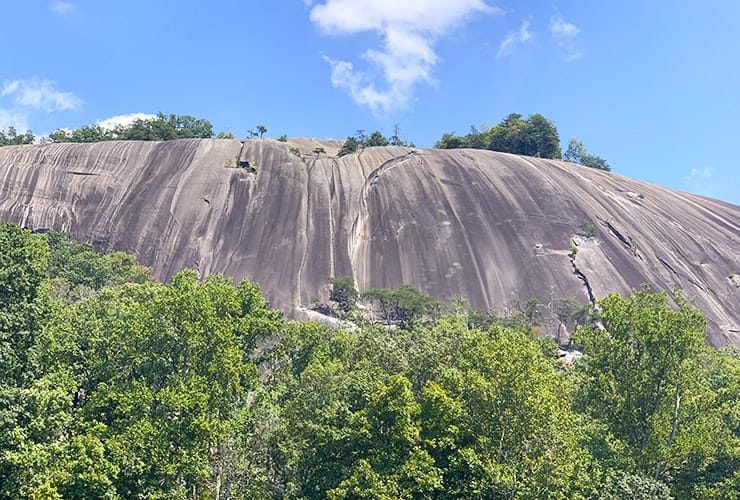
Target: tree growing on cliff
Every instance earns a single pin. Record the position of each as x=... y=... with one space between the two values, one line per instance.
x=405 y=305
x=11 y=137
x=376 y=138
x=536 y=136
x=395 y=139
x=450 y=141
x=87 y=133
x=349 y=146
x=343 y=292
x=159 y=128
x=541 y=138
x=576 y=153
x=166 y=127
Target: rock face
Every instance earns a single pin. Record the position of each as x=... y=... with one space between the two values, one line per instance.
x=487 y=227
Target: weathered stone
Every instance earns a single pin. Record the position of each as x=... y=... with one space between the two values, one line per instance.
x=488 y=227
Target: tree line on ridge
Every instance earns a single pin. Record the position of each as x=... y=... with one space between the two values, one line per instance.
x=534 y=136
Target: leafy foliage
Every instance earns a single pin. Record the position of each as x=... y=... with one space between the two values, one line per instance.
x=376 y=139
x=80 y=267
x=649 y=378
x=571 y=314
x=535 y=136
x=87 y=133
x=135 y=389
x=130 y=392
x=11 y=137
x=403 y=306
x=160 y=128
x=443 y=409
x=576 y=153
x=350 y=146
x=257 y=132
x=361 y=140
x=23 y=308
x=343 y=292
x=588 y=230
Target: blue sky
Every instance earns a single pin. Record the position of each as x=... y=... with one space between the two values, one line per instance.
x=652 y=86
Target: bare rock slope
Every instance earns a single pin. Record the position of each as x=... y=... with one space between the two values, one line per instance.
x=488 y=227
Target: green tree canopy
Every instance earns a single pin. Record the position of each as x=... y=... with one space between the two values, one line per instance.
x=350 y=146
x=343 y=292
x=88 y=133
x=146 y=382
x=135 y=389
x=403 y=306
x=377 y=139
x=576 y=153
x=508 y=136
x=650 y=379
x=535 y=136
x=160 y=128
x=434 y=411
x=361 y=140
x=541 y=137
x=23 y=309
x=76 y=269
x=11 y=137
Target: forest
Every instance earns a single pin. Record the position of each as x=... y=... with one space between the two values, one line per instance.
x=116 y=386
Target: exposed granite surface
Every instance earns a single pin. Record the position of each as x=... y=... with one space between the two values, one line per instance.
x=489 y=227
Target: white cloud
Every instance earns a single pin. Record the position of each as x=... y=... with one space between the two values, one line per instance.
x=20 y=98
x=514 y=38
x=699 y=181
x=409 y=31
x=62 y=8
x=9 y=88
x=123 y=120
x=40 y=94
x=564 y=34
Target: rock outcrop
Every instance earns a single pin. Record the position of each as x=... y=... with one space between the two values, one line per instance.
x=487 y=227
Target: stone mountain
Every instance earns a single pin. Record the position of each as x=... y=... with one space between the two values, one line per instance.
x=488 y=227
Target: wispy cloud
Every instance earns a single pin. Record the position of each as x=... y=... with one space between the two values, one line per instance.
x=514 y=38
x=62 y=8
x=565 y=34
x=408 y=31
x=12 y=118
x=123 y=120
x=20 y=98
x=39 y=94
